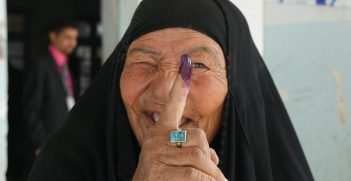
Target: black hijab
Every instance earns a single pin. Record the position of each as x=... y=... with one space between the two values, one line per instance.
x=256 y=140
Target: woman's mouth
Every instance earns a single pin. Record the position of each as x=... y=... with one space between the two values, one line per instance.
x=183 y=123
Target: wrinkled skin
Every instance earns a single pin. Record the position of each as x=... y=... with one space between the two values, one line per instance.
x=157 y=100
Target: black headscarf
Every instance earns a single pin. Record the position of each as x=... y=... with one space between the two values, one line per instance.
x=256 y=140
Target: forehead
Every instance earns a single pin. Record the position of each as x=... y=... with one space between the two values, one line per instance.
x=175 y=39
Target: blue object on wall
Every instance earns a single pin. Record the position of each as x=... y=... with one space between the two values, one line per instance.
x=321 y=2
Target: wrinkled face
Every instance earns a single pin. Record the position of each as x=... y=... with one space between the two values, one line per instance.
x=65 y=41
x=151 y=67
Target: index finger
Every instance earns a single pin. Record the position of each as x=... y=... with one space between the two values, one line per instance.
x=173 y=110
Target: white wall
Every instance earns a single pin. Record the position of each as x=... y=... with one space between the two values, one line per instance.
x=116 y=15
x=253 y=11
x=308 y=50
x=3 y=90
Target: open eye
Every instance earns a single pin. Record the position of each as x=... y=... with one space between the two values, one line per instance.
x=199 y=65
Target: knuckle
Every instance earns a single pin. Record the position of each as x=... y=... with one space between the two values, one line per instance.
x=196 y=154
x=213 y=152
x=200 y=134
x=191 y=173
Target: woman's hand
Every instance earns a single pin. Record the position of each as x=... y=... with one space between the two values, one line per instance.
x=161 y=160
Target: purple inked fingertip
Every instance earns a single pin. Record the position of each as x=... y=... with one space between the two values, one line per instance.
x=185 y=69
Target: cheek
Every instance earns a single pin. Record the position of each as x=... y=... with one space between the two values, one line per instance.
x=130 y=86
x=208 y=96
x=73 y=42
x=64 y=42
x=208 y=93
x=133 y=83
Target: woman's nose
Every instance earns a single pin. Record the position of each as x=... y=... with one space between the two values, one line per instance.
x=161 y=86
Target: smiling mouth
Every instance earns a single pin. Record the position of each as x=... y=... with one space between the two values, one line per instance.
x=155 y=117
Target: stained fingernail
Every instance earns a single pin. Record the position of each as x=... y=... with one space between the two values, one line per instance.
x=185 y=69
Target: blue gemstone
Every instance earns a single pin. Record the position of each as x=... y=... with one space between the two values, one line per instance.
x=178 y=136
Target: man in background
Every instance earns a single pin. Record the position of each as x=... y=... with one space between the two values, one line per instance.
x=49 y=92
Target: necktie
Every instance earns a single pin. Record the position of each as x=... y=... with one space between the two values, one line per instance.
x=68 y=86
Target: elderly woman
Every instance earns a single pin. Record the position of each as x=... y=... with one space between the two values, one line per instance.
x=184 y=96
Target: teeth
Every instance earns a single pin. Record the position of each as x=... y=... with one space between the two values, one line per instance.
x=156 y=117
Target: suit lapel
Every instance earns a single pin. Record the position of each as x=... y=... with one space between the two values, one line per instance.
x=54 y=69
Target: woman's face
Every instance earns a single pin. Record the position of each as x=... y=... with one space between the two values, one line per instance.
x=151 y=67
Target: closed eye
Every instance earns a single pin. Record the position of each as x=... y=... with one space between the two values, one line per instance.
x=147 y=65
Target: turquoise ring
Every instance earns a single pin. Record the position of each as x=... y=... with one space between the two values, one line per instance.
x=178 y=137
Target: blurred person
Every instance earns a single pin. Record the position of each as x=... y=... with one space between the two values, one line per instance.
x=48 y=92
x=49 y=86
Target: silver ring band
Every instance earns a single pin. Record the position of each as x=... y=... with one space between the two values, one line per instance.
x=179 y=145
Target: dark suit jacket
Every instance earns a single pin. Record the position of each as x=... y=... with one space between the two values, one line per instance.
x=44 y=99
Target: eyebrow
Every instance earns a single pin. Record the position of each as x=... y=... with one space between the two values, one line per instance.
x=144 y=50
x=150 y=51
x=209 y=50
